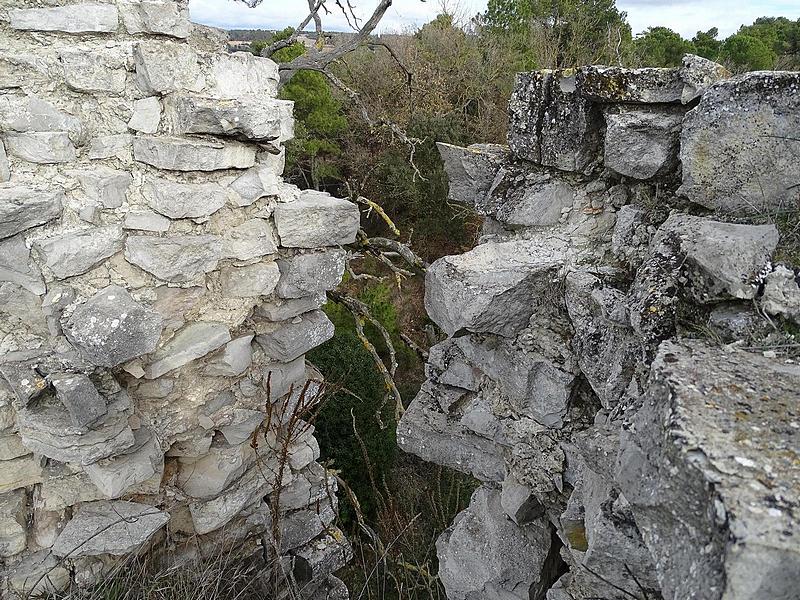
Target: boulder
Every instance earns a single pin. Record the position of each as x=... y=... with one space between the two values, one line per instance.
x=288 y=340
x=250 y=281
x=22 y=208
x=185 y=154
x=76 y=252
x=111 y=328
x=316 y=219
x=471 y=170
x=184 y=200
x=75 y=18
x=41 y=147
x=17 y=267
x=163 y=17
x=709 y=472
x=310 y=273
x=177 y=258
x=738 y=146
x=81 y=399
x=146 y=115
x=190 y=343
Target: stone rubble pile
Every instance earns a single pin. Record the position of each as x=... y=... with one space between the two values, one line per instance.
x=593 y=377
x=159 y=287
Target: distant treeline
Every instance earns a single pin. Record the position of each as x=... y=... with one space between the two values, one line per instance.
x=249 y=35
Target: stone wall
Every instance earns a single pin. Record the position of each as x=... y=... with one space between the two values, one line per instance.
x=617 y=369
x=159 y=287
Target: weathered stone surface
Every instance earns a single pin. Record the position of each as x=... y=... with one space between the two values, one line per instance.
x=159 y=17
x=107 y=187
x=243 y=74
x=141 y=462
x=63 y=486
x=190 y=343
x=163 y=67
x=33 y=114
x=322 y=556
x=94 y=71
x=698 y=74
x=255 y=183
x=22 y=208
x=146 y=115
x=488 y=288
x=782 y=294
x=252 y=239
x=5 y=170
x=709 y=473
x=737 y=146
x=289 y=340
x=111 y=146
x=241 y=426
x=20 y=472
x=146 y=220
x=283 y=309
x=316 y=219
x=183 y=154
x=538 y=202
x=184 y=200
x=104 y=527
x=81 y=399
x=234 y=359
x=283 y=377
x=17 y=267
x=41 y=147
x=616 y=84
x=250 y=281
x=75 y=252
x=11 y=447
x=310 y=273
x=111 y=328
x=733 y=321
x=519 y=503
x=176 y=258
x=484 y=555
x=75 y=18
x=13 y=521
x=642 y=142
x=38 y=573
x=209 y=475
x=471 y=170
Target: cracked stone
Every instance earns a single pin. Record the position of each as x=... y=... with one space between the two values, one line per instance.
x=190 y=343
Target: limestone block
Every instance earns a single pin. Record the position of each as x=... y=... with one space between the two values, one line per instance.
x=179 y=154
x=737 y=146
x=32 y=114
x=316 y=219
x=111 y=146
x=107 y=187
x=41 y=147
x=301 y=526
x=538 y=202
x=642 y=142
x=110 y=328
x=471 y=170
x=13 y=520
x=241 y=425
x=250 y=281
x=75 y=18
x=94 y=71
x=11 y=447
x=146 y=115
x=709 y=473
x=488 y=289
x=163 y=67
x=698 y=75
x=184 y=200
x=252 y=239
x=310 y=273
x=77 y=393
x=20 y=472
x=146 y=220
x=17 y=267
x=190 y=343
x=142 y=462
x=177 y=258
x=289 y=340
x=38 y=574
x=5 y=170
x=109 y=527
x=282 y=309
x=484 y=554
x=519 y=502
x=281 y=378
x=209 y=475
x=234 y=359
x=648 y=85
x=255 y=183
x=782 y=294
x=243 y=74
x=322 y=556
x=75 y=252
x=63 y=486
x=22 y=208
x=164 y=17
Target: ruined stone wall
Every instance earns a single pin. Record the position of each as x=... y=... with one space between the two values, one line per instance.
x=159 y=287
x=618 y=369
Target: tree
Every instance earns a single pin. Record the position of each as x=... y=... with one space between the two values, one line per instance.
x=661 y=47
x=706 y=44
x=743 y=52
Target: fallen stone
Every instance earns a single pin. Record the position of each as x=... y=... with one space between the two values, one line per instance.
x=184 y=200
x=471 y=170
x=107 y=187
x=252 y=239
x=179 y=154
x=142 y=462
x=147 y=16
x=698 y=74
x=709 y=472
x=146 y=220
x=94 y=71
x=234 y=359
x=109 y=527
x=316 y=219
x=243 y=74
x=146 y=115
x=250 y=281
x=310 y=273
x=488 y=289
x=648 y=85
x=737 y=146
x=38 y=574
x=282 y=309
x=75 y=252
x=177 y=258
x=75 y=18
x=22 y=208
x=81 y=399
x=110 y=328
x=41 y=147
x=17 y=267
x=163 y=67
x=289 y=340
x=782 y=294
x=190 y=343
x=13 y=523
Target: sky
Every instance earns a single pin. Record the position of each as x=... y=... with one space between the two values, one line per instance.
x=684 y=16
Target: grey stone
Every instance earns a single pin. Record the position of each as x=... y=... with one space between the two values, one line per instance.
x=709 y=473
x=75 y=18
x=94 y=71
x=281 y=378
x=256 y=183
x=184 y=154
x=110 y=328
x=17 y=267
x=22 y=208
x=81 y=399
x=243 y=74
x=316 y=219
x=288 y=340
x=283 y=309
x=163 y=67
x=737 y=146
x=5 y=170
x=626 y=242
x=698 y=74
x=109 y=527
x=111 y=146
x=648 y=85
x=184 y=200
x=234 y=359
x=20 y=472
x=146 y=115
x=488 y=289
x=11 y=447
x=242 y=424
x=74 y=252
x=176 y=258
x=471 y=170
x=159 y=17
x=63 y=486
x=250 y=281
x=519 y=502
x=322 y=556
x=32 y=114
x=642 y=142
x=190 y=343
x=118 y=475
x=146 y=220
x=484 y=555
x=252 y=239
x=733 y=321
x=37 y=574
x=540 y=202
x=209 y=475
x=310 y=273
x=41 y=147
x=105 y=186
x=782 y=294
x=174 y=303
x=13 y=523
x=21 y=310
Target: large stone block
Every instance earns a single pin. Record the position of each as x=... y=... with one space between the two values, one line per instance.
x=316 y=219
x=739 y=148
x=648 y=85
x=710 y=472
x=250 y=281
x=20 y=472
x=177 y=258
x=160 y=17
x=128 y=472
x=146 y=115
x=289 y=340
x=190 y=343
x=252 y=239
x=280 y=309
x=183 y=154
x=471 y=170
x=81 y=399
x=32 y=114
x=75 y=252
x=310 y=273
x=41 y=147
x=17 y=267
x=94 y=71
x=209 y=475
x=243 y=74
x=22 y=208
x=163 y=67
x=75 y=18
x=184 y=200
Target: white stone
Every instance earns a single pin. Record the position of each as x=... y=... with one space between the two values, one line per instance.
x=184 y=200
x=252 y=239
x=41 y=147
x=142 y=462
x=75 y=18
x=250 y=281
x=176 y=258
x=22 y=208
x=146 y=115
x=310 y=273
x=316 y=219
x=242 y=73
x=92 y=70
x=163 y=67
x=75 y=252
x=190 y=343
x=107 y=187
x=183 y=154
x=146 y=220
x=165 y=17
